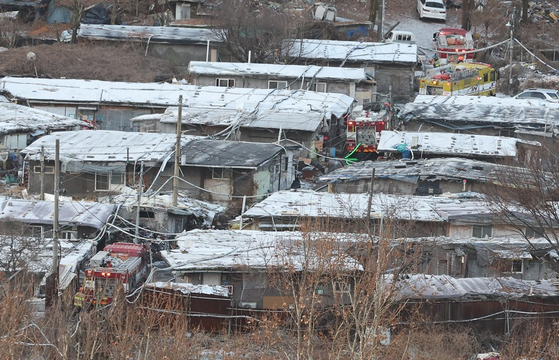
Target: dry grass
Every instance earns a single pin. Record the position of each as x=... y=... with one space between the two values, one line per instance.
x=121 y=62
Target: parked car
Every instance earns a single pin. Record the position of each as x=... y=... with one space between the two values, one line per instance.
x=432 y=9
x=539 y=94
x=399 y=36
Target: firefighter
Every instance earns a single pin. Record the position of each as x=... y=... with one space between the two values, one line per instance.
x=79 y=300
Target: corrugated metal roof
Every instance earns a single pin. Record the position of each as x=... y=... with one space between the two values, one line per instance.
x=230 y=249
x=352 y=51
x=481 y=109
x=449 y=168
x=106 y=146
x=444 y=143
x=18 y=118
x=80 y=213
x=95 y=91
x=445 y=287
x=153 y=34
x=205 y=99
x=220 y=153
x=279 y=71
x=307 y=203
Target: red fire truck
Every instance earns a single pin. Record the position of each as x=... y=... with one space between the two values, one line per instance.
x=454 y=45
x=119 y=264
x=363 y=134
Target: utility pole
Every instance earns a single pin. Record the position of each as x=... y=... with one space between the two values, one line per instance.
x=177 y=156
x=42 y=196
x=52 y=280
x=370 y=204
x=137 y=233
x=380 y=32
x=55 y=221
x=511 y=48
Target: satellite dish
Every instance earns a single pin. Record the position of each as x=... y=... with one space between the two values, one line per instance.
x=31 y=56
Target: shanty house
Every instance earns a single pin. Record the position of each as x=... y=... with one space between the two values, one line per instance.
x=233 y=172
x=352 y=82
x=244 y=261
x=77 y=219
x=414 y=177
x=105 y=105
x=489 y=257
x=522 y=118
x=179 y=45
x=390 y=65
x=292 y=117
x=104 y=163
x=460 y=216
x=20 y=125
x=99 y=163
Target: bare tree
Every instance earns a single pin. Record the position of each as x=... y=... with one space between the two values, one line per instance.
x=245 y=27
x=17 y=246
x=526 y=196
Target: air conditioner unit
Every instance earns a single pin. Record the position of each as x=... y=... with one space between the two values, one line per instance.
x=247 y=305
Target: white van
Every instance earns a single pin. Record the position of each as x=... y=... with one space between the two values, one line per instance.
x=399 y=36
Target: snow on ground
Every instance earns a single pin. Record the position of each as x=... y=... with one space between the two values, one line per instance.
x=423 y=29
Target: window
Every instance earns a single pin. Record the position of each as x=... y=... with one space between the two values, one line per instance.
x=109 y=181
x=341 y=287
x=481 y=231
x=273 y=84
x=513 y=266
x=318 y=87
x=48 y=169
x=70 y=235
x=534 y=232
x=221 y=173
x=225 y=82
x=37 y=231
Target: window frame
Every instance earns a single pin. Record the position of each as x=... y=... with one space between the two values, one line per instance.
x=49 y=169
x=277 y=82
x=482 y=231
x=221 y=173
x=534 y=233
x=230 y=82
x=111 y=186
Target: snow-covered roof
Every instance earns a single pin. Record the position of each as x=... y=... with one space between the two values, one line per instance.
x=19 y=118
x=456 y=144
x=95 y=91
x=457 y=209
x=187 y=288
x=68 y=263
x=222 y=153
x=36 y=254
x=280 y=71
x=158 y=200
x=437 y=168
x=352 y=51
x=308 y=203
x=153 y=34
x=78 y=213
x=261 y=103
x=239 y=249
x=446 y=287
x=262 y=119
x=106 y=146
x=481 y=109
x=260 y=108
